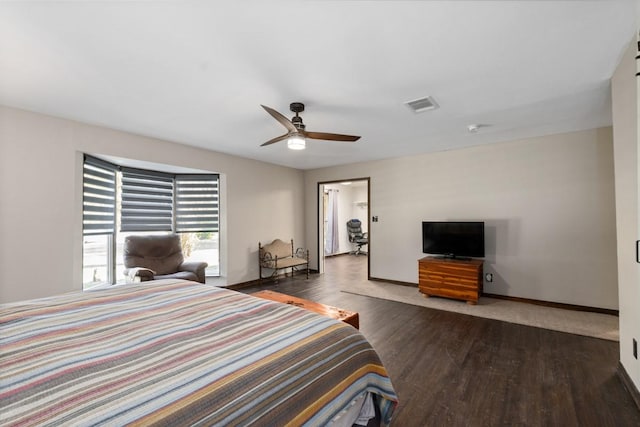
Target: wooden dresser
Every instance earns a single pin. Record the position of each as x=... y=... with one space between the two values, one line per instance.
x=451 y=278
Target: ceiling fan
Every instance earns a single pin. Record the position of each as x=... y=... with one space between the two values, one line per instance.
x=297 y=135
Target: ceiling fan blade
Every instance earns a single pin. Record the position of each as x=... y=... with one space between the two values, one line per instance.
x=279 y=117
x=331 y=136
x=276 y=139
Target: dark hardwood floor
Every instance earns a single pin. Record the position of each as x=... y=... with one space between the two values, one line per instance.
x=451 y=369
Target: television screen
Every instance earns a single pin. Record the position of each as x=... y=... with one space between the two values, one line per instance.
x=453 y=239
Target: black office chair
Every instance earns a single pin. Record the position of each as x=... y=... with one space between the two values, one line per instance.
x=356 y=236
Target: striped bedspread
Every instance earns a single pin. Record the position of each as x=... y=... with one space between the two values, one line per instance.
x=179 y=353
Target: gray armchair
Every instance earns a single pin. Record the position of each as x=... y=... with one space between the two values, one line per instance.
x=159 y=257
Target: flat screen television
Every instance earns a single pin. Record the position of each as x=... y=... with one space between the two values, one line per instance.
x=453 y=239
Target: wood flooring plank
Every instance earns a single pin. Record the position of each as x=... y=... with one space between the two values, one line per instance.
x=451 y=369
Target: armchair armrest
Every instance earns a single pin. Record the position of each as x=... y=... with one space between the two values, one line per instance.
x=139 y=274
x=196 y=267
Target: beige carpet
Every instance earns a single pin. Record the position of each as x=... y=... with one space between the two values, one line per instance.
x=596 y=325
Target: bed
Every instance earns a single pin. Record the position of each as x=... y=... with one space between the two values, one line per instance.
x=175 y=352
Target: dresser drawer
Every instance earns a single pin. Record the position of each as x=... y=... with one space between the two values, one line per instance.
x=450 y=278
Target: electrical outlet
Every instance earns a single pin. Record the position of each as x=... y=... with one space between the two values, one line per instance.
x=635 y=348
x=488 y=277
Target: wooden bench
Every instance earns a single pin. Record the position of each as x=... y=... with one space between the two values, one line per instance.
x=349 y=317
x=279 y=255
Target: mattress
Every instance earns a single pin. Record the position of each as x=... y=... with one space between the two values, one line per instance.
x=176 y=352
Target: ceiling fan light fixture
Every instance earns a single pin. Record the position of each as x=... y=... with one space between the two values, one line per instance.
x=296 y=135
x=296 y=142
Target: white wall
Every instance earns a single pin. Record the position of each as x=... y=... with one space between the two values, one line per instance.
x=547 y=202
x=41 y=200
x=624 y=91
x=358 y=210
x=348 y=208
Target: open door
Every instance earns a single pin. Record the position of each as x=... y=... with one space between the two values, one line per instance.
x=338 y=203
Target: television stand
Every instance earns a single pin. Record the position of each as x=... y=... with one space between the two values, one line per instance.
x=460 y=258
x=451 y=278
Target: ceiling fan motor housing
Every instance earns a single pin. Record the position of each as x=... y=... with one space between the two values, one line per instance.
x=297 y=122
x=296 y=107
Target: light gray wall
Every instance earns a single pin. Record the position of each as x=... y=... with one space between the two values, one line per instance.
x=548 y=205
x=624 y=91
x=41 y=200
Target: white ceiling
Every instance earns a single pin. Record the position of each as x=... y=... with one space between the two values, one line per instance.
x=197 y=72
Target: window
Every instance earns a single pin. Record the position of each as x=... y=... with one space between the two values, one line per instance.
x=96 y=252
x=196 y=203
x=120 y=201
x=197 y=218
x=98 y=197
x=98 y=220
x=147 y=201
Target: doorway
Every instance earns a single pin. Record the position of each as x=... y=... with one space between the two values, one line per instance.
x=338 y=203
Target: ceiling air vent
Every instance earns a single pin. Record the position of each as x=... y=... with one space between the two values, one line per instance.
x=422 y=104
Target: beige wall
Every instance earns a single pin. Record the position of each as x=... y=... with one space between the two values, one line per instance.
x=547 y=202
x=350 y=199
x=41 y=200
x=624 y=92
x=548 y=205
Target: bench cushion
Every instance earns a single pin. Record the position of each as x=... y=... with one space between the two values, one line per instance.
x=278 y=248
x=284 y=262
